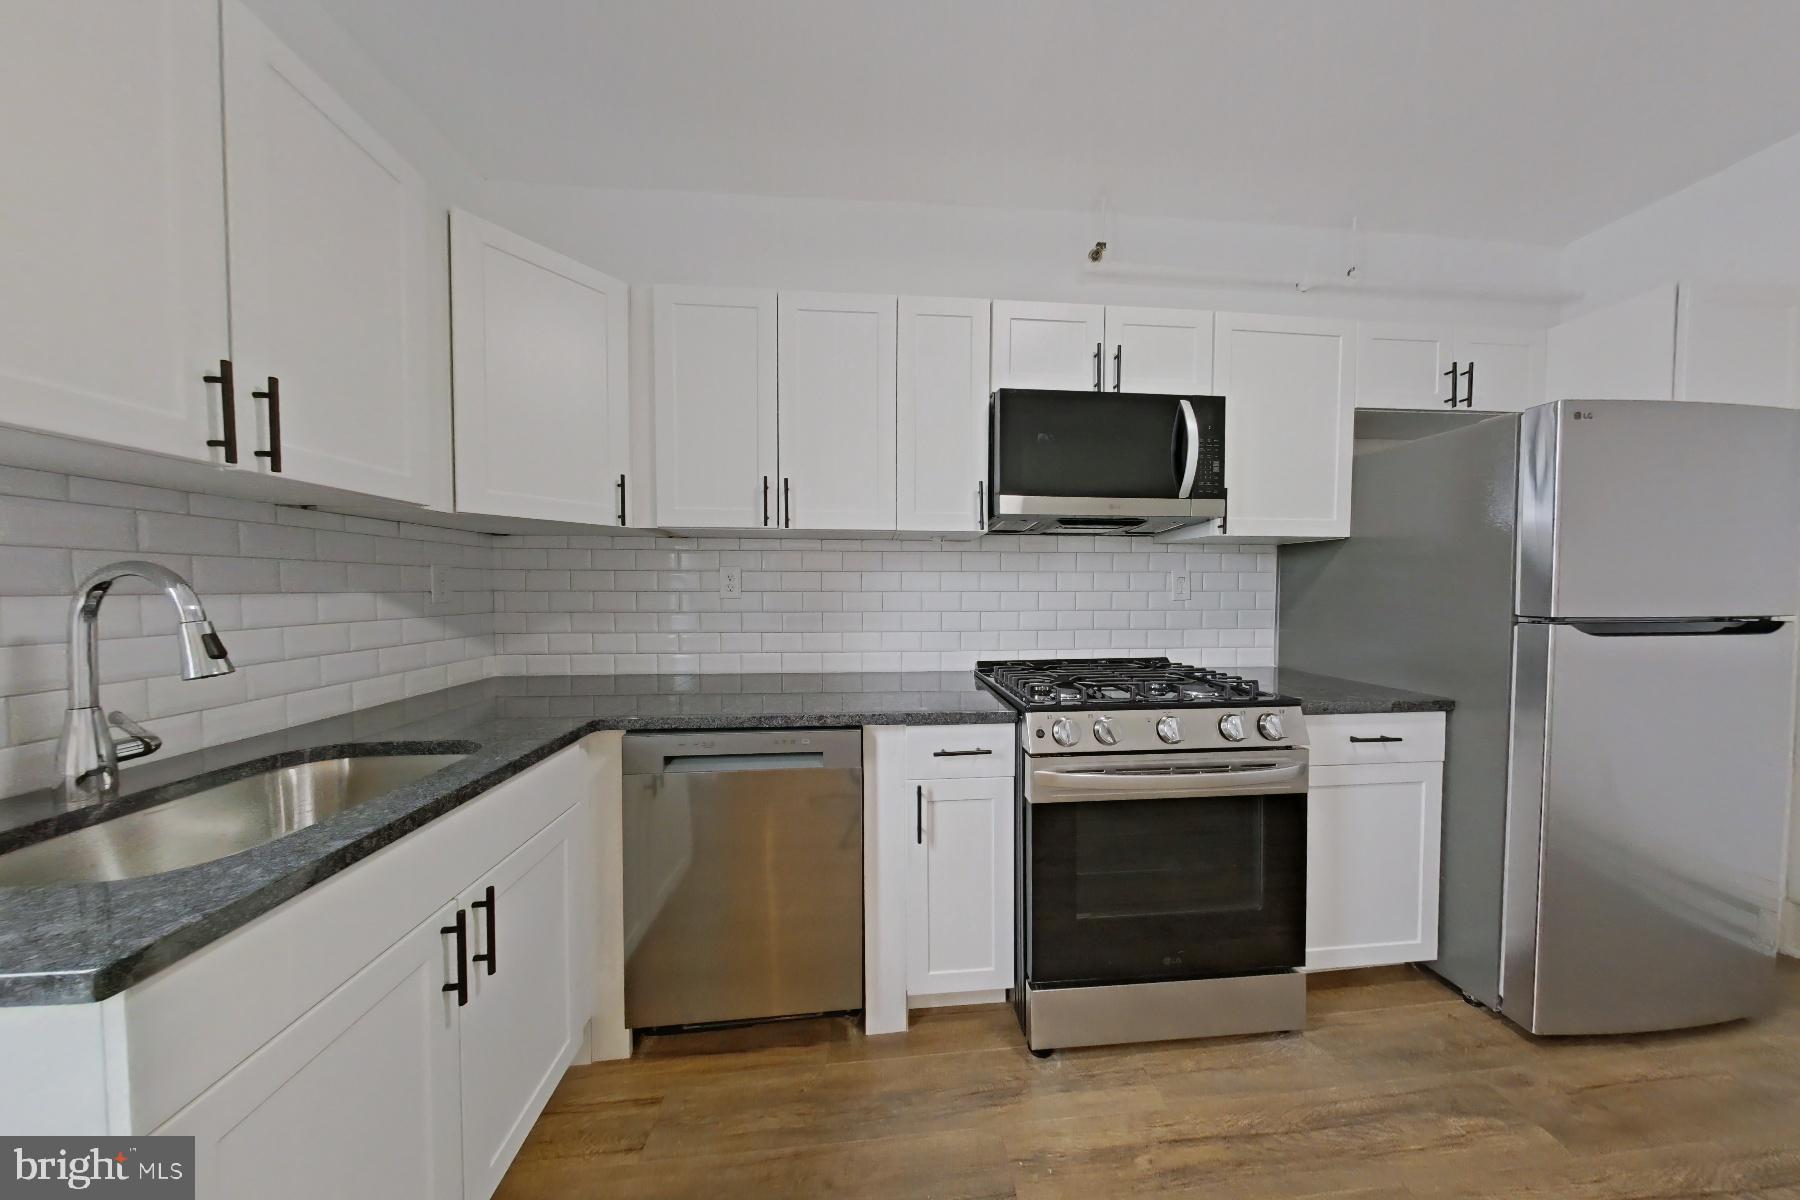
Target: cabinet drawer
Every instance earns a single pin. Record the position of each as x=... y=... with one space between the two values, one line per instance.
x=959 y=751
x=1376 y=738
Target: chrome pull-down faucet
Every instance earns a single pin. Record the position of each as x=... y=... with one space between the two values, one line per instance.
x=88 y=753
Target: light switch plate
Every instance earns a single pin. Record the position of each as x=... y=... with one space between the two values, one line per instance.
x=440 y=591
x=1179 y=586
x=731 y=583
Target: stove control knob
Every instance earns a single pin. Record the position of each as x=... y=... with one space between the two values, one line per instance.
x=1231 y=728
x=1064 y=732
x=1269 y=725
x=1169 y=730
x=1104 y=733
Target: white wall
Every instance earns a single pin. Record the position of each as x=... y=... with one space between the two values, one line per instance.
x=1740 y=226
x=1737 y=226
x=649 y=237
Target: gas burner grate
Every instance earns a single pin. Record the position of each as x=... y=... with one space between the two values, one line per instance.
x=1116 y=683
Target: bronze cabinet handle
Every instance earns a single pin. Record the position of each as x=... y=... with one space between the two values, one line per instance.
x=228 y=410
x=273 y=395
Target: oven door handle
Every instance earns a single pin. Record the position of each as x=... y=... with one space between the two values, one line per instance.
x=1056 y=786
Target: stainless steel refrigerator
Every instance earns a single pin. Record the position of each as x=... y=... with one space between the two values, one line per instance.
x=1608 y=591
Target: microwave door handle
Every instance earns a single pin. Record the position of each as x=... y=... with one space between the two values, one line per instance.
x=1192 y=426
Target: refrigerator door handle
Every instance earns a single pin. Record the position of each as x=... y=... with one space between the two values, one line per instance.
x=1721 y=626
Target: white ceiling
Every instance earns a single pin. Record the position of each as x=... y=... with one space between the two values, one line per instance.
x=1515 y=120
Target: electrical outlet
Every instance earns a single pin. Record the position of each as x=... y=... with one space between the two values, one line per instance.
x=731 y=583
x=1179 y=586
x=440 y=590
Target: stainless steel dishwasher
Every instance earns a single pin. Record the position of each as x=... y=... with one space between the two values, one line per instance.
x=743 y=875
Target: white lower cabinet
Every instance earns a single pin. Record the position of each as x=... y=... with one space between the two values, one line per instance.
x=421 y=1074
x=959 y=859
x=1373 y=830
x=394 y=1031
x=524 y=1018
x=960 y=887
x=359 y=1097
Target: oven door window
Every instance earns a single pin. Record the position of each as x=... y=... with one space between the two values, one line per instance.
x=1128 y=891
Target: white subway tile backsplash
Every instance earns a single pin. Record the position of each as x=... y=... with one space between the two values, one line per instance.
x=887 y=605
x=326 y=613
x=178 y=533
x=277 y=582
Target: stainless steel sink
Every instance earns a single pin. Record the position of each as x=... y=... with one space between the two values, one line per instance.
x=216 y=822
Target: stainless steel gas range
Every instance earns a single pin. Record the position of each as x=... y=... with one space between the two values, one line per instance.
x=1161 y=864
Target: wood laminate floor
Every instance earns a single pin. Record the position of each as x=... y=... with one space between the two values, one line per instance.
x=1398 y=1089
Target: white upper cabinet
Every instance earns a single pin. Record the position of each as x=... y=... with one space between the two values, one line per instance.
x=1403 y=366
x=1737 y=345
x=1048 y=345
x=715 y=408
x=1438 y=366
x=835 y=406
x=942 y=410
x=330 y=288
x=1289 y=385
x=1703 y=341
x=1623 y=351
x=112 y=223
x=539 y=348
x=1501 y=370
x=1165 y=350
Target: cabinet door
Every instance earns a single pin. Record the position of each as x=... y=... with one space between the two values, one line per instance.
x=1166 y=350
x=959 y=911
x=1048 y=345
x=359 y=1097
x=1289 y=384
x=715 y=408
x=539 y=349
x=942 y=414
x=836 y=411
x=112 y=264
x=330 y=287
x=1372 y=864
x=1737 y=346
x=1508 y=368
x=529 y=968
x=1620 y=352
x=1403 y=366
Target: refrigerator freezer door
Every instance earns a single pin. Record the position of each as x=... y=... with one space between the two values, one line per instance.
x=1666 y=775
x=1649 y=508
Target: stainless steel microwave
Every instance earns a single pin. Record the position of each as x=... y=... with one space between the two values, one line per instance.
x=1104 y=462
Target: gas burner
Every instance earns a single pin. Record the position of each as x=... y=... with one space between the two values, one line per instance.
x=1035 y=685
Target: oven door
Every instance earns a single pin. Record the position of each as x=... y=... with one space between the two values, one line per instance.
x=1168 y=866
x=1119 y=453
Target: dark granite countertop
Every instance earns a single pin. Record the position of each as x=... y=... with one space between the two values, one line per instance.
x=1327 y=695
x=83 y=942
x=80 y=942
